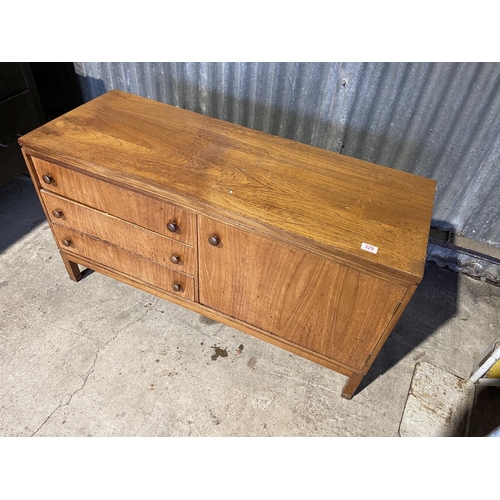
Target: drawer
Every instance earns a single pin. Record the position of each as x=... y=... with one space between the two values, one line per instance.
x=115 y=200
x=123 y=234
x=125 y=262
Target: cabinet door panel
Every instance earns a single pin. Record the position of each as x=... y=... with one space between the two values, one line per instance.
x=329 y=308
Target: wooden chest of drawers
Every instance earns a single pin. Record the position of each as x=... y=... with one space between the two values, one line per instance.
x=312 y=251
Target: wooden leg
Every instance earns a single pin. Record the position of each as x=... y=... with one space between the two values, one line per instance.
x=351 y=385
x=72 y=268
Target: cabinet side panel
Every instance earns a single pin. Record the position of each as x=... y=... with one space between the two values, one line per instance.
x=323 y=306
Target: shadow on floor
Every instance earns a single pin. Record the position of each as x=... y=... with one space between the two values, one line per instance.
x=485 y=413
x=20 y=210
x=434 y=303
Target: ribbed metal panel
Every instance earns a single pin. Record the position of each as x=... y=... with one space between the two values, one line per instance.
x=438 y=120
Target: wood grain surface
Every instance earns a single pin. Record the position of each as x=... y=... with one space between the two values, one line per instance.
x=123 y=234
x=325 y=307
x=71 y=267
x=117 y=200
x=309 y=194
x=125 y=262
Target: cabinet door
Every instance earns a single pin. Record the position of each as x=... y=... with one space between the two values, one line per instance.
x=328 y=308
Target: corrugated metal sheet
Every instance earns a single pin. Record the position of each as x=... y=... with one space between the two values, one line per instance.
x=438 y=120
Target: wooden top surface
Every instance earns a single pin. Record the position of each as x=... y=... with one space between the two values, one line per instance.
x=328 y=200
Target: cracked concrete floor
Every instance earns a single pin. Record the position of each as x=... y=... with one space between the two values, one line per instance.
x=100 y=358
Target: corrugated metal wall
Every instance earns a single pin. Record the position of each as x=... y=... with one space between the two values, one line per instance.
x=438 y=120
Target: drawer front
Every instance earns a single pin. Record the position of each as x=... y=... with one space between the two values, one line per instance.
x=125 y=262
x=120 y=202
x=123 y=234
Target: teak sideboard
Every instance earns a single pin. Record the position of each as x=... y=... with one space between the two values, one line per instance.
x=313 y=251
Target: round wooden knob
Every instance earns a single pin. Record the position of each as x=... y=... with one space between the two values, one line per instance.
x=175 y=259
x=57 y=214
x=214 y=240
x=66 y=243
x=177 y=287
x=47 y=179
x=172 y=227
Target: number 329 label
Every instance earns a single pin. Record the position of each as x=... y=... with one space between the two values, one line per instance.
x=369 y=248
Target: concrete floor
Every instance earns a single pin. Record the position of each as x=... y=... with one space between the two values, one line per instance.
x=100 y=358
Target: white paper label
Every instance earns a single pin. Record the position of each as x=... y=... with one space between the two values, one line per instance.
x=369 y=248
